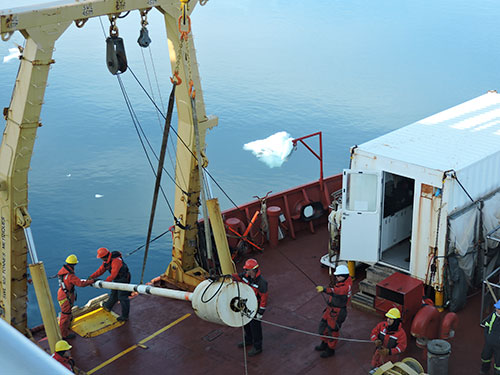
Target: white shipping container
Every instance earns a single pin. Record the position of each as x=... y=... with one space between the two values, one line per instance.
x=403 y=187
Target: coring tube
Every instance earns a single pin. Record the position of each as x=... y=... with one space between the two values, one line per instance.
x=145 y=289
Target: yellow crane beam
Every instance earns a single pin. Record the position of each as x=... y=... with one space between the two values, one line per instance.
x=41 y=26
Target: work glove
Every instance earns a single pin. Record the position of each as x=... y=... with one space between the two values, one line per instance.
x=320 y=288
x=383 y=351
x=259 y=316
x=378 y=343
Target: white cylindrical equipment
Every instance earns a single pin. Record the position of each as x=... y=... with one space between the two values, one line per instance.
x=219 y=302
x=214 y=301
x=144 y=289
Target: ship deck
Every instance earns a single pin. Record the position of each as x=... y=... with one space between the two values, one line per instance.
x=165 y=335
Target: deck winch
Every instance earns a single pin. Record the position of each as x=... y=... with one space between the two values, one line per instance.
x=229 y=303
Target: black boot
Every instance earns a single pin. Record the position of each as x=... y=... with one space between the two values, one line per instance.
x=321 y=346
x=485 y=368
x=327 y=353
x=254 y=351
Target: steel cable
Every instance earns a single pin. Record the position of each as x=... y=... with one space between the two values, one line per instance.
x=310 y=333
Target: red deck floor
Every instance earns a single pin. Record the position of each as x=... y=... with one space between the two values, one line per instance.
x=193 y=346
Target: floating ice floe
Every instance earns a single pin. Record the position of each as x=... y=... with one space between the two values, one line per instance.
x=274 y=150
x=99 y=196
x=68 y=175
x=14 y=54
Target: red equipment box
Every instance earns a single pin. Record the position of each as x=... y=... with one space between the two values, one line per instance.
x=401 y=291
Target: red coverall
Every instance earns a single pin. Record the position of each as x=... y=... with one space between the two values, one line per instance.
x=336 y=312
x=253 y=330
x=395 y=341
x=119 y=273
x=66 y=299
x=66 y=362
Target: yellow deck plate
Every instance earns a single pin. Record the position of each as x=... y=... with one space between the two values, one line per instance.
x=95 y=323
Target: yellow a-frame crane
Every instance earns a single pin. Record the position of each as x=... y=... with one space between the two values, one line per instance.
x=41 y=26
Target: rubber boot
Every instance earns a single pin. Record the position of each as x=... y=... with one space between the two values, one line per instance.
x=254 y=351
x=485 y=368
x=327 y=353
x=321 y=346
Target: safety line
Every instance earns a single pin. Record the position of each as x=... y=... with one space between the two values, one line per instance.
x=112 y=359
x=310 y=333
x=244 y=343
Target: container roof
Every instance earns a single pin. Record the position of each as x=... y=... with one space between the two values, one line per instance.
x=452 y=139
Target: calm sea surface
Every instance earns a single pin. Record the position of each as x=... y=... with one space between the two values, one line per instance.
x=351 y=69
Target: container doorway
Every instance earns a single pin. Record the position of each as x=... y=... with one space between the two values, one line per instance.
x=397 y=214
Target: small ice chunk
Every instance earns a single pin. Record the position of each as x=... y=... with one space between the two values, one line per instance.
x=14 y=54
x=99 y=196
x=274 y=150
x=68 y=175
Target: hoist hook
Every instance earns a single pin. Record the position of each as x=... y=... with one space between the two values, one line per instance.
x=192 y=93
x=176 y=76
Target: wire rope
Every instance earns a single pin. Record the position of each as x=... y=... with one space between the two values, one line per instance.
x=184 y=143
x=311 y=333
x=172 y=163
x=302 y=271
x=134 y=120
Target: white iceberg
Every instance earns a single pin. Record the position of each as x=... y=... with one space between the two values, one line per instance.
x=99 y=196
x=274 y=150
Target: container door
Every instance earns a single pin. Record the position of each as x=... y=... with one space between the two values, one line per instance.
x=361 y=215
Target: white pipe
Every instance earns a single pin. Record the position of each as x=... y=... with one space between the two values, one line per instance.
x=20 y=356
x=214 y=301
x=145 y=289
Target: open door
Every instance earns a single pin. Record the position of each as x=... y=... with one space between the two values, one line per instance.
x=361 y=215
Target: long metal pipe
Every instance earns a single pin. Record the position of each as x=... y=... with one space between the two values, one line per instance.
x=145 y=289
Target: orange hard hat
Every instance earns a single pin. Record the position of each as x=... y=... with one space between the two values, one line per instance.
x=251 y=264
x=102 y=252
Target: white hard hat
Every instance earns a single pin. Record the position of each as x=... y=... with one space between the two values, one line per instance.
x=341 y=270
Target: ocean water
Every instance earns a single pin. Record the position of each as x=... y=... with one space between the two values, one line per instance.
x=353 y=70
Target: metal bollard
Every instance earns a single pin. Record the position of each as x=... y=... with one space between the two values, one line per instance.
x=438 y=353
x=273 y=214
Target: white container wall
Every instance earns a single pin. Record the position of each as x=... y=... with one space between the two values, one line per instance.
x=442 y=161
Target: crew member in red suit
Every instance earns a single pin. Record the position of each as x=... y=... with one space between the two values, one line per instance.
x=336 y=311
x=389 y=338
x=119 y=273
x=253 y=330
x=61 y=356
x=66 y=295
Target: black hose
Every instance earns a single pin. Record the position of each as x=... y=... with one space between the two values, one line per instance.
x=217 y=292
